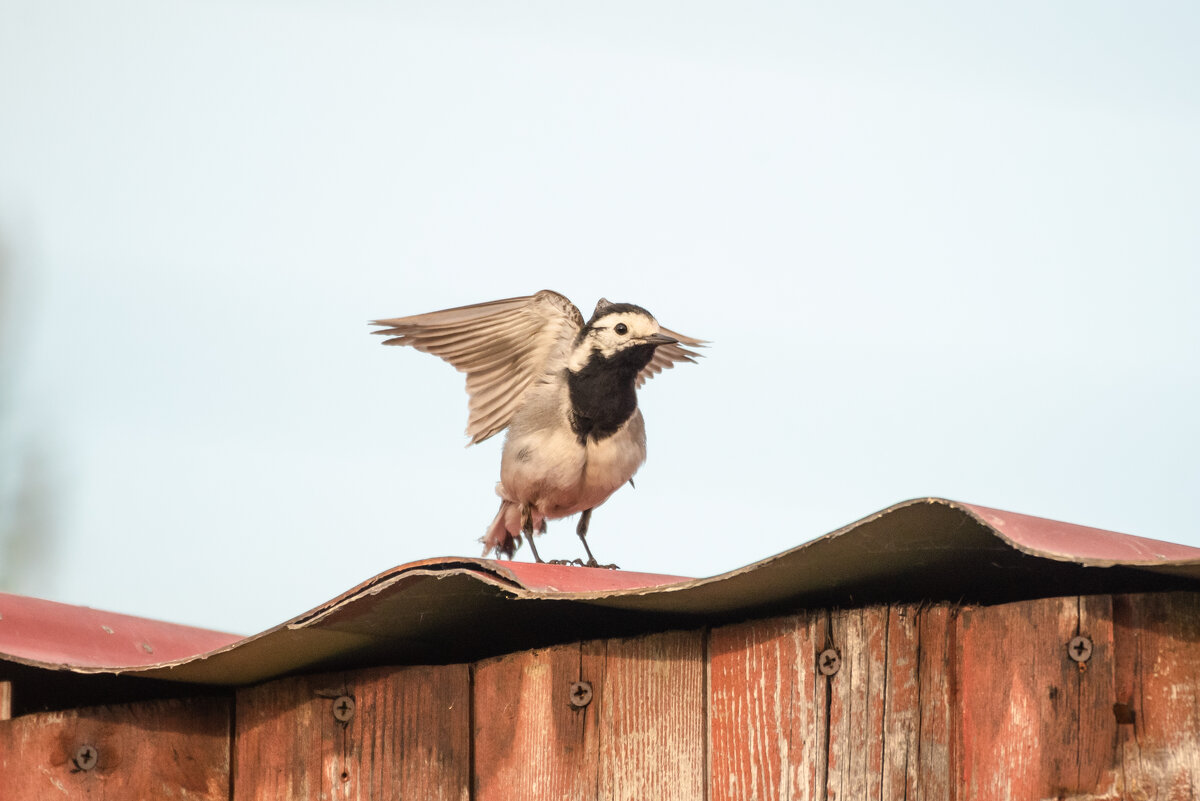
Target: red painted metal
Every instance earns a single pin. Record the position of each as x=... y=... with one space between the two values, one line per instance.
x=1071 y=542
x=49 y=632
x=419 y=611
x=566 y=578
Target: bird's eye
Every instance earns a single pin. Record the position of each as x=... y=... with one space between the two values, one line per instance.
x=621 y=329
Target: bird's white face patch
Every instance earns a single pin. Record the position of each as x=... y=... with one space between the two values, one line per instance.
x=612 y=333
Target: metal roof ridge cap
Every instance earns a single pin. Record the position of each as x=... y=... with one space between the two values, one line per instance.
x=752 y=566
x=1017 y=545
x=967 y=510
x=487 y=570
x=369 y=587
x=975 y=513
x=314 y=616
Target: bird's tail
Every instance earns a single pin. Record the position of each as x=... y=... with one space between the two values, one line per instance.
x=504 y=534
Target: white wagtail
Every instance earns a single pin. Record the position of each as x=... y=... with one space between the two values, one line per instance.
x=566 y=391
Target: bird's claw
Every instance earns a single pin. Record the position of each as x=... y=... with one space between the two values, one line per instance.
x=593 y=563
x=581 y=563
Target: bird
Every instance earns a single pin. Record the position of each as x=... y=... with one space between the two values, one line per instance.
x=566 y=391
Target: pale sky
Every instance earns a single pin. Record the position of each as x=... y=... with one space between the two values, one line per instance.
x=939 y=249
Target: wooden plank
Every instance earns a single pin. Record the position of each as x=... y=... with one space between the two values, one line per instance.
x=856 y=704
x=1030 y=726
x=408 y=737
x=641 y=736
x=283 y=739
x=937 y=686
x=1157 y=694
x=411 y=734
x=929 y=703
x=900 y=737
x=150 y=749
x=651 y=718
x=878 y=728
x=764 y=738
x=1095 y=770
x=530 y=741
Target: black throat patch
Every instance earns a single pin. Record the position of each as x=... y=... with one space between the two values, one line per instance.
x=603 y=394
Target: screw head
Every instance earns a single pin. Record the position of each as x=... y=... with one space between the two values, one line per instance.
x=343 y=708
x=581 y=694
x=86 y=757
x=1080 y=649
x=829 y=662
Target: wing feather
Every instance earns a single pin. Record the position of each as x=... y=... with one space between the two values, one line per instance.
x=666 y=356
x=501 y=345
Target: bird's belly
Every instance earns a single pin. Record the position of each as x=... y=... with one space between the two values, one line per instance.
x=558 y=476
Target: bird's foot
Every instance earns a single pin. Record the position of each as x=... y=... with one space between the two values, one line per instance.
x=592 y=563
x=581 y=563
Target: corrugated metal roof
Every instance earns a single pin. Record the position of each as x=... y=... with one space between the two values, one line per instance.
x=447 y=610
x=50 y=633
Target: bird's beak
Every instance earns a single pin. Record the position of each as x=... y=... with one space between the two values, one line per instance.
x=659 y=339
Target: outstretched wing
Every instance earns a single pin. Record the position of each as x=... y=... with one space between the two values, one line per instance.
x=665 y=356
x=501 y=346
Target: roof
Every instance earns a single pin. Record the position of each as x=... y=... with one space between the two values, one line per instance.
x=450 y=610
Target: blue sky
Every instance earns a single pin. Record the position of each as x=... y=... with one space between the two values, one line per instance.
x=939 y=250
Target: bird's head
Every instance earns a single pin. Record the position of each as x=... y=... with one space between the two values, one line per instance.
x=616 y=329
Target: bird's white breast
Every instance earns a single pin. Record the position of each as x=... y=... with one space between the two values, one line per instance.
x=545 y=465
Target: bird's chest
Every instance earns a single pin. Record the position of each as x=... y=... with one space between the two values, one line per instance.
x=603 y=396
x=613 y=460
x=562 y=475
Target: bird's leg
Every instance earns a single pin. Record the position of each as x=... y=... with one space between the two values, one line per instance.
x=581 y=530
x=584 y=518
x=527 y=529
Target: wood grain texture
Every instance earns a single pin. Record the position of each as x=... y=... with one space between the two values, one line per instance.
x=652 y=718
x=1091 y=692
x=1157 y=695
x=150 y=749
x=856 y=704
x=900 y=744
x=642 y=735
x=930 y=703
x=530 y=742
x=764 y=739
x=1030 y=726
x=409 y=736
x=878 y=728
x=937 y=685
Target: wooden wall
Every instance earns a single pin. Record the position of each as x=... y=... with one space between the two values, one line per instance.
x=931 y=702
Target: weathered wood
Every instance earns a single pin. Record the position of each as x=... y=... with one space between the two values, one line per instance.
x=764 y=741
x=900 y=744
x=408 y=736
x=1029 y=727
x=928 y=703
x=641 y=736
x=530 y=741
x=856 y=704
x=887 y=707
x=1091 y=693
x=1157 y=695
x=651 y=710
x=149 y=749
x=937 y=685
